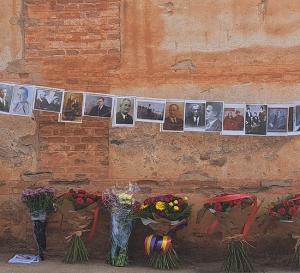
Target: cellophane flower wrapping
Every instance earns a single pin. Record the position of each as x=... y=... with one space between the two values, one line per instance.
x=40 y=203
x=230 y=217
x=121 y=203
x=79 y=209
x=284 y=213
x=165 y=215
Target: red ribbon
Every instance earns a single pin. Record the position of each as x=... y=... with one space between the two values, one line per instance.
x=233 y=197
x=95 y=221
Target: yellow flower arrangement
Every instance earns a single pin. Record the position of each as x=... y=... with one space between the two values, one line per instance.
x=175 y=202
x=143 y=206
x=160 y=206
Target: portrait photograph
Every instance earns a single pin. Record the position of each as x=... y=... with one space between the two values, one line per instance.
x=72 y=107
x=6 y=92
x=194 y=115
x=214 y=116
x=98 y=105
x=234 y=119
x=150 y=110
x=174 y=115
x=277 y=119
x=124 y=112
x=296 y=130
x=48 y=99
x=22 y=100
x=256 y=119
x=291 y=119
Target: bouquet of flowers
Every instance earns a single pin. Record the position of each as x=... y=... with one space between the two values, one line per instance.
x=165 y=214
x=237 y=259
x=121 y=203
x=79 y=209
x=284 y=210
x=40 y=204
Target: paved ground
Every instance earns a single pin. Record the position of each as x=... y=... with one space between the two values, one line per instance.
x=54 y=265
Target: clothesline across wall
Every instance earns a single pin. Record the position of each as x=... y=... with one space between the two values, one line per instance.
x=173 y=115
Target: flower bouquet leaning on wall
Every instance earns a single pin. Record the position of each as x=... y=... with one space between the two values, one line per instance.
x=284 y=210
x=237 y=259
x=40 y=204
x=79 y=209
x=121 y=203
x=164 y=214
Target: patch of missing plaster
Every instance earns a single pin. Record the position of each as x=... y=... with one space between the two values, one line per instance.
x=117 y=142
x=169 y=8
x=195 y=175
x=262 y=9
x=36 y=176
x=17 y=66
x=219 y=162
x=186 y=64
x=75 y=182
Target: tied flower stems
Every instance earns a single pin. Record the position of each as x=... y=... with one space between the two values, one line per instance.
x=166 y=261
x=295 y=260
x=119 y=260
x=237 y=259
x=77 y=252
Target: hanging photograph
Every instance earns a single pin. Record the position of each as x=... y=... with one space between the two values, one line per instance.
x=214 y=116
x=48 y=99
x=6 y=92
x=72 y=107
x=256 y=119
x=277 y=119
x=296 y=119
x=98 y=105
x=194 y=115
x=291 y=119
x=22 y=100
x=150 y=110
x=124 y=112
x=234 y=119
x=173 y=116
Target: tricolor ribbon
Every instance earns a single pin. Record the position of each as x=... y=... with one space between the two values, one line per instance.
x=157 y=243
x=234 y=197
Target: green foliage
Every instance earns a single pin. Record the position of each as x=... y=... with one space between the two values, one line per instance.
x=77 y=252
x=166 y=261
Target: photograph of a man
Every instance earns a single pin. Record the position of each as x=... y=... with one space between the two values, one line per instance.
x=5 y=97
x=124 y=112
x=214 y=116
x=97 y=105
x=173 y=116
x=48 y=99
x=277 y=119
x=72 y=107
x=150 y=110
x=194 y=116
x=22 y=100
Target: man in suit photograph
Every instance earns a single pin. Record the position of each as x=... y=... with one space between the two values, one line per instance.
x=173 y=122
x=22 y=105
x=41 y=101
x=4 y=104
x=123 y=116
x=100 y=110
x=195 y=116
x=213 y=117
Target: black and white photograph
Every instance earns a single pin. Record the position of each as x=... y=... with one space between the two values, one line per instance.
x=22 y=100
x=277 y=119
x=6 y=92
x=194 y=115
x=174 y=115
x=214 y=116
x=98 y=105
x=296 y=119
x=150 y=110
x=124 y=112
x=48 y=99
x=256 y=119
x=72 y=107
x=234 y=119
x=291 y=119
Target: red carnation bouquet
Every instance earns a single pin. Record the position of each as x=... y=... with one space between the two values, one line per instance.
x=284 y=210
x=78 y=209
x=165 y=214
x=220 y=207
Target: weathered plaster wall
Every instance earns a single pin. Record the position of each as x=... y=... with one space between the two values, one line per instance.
x=236 y=51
